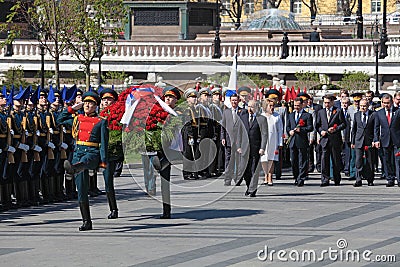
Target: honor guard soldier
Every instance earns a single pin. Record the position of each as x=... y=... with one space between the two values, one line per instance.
x=115 y=153
x=189 y=135
x=56 y=179
x=33 y=153
x=205 y=130
x=216 y=108
x=245 y=95
x=162 y=164
x=91 y=135
x=5 y=153
x=69 y=98
x=44 y=133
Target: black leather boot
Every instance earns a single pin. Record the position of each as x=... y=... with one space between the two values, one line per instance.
x=92 y=189
x=112 y=202
x=85 y=212
x=24 y=193
x=166 y=211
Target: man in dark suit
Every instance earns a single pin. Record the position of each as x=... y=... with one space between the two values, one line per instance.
x=395 y=134
x=313 y=109
x=346 y=153
x=300 y=123
x=231 y=126
x=383 y=138
x=330 y=122
x=343 y=94
x=256 y=127
x=362 y=136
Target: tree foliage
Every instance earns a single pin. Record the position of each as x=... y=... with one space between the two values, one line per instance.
x=15 y=76
x=355 y=81
x=307 y=79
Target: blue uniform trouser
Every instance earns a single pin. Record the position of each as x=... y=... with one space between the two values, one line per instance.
x=88 y=157
x=149 y=173
x=108 y=174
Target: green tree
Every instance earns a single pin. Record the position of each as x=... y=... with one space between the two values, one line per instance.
x=307 y=79
x=93 y=22
x=15 y=76
x=259 y=81
x=115 y=76
x=355 y=81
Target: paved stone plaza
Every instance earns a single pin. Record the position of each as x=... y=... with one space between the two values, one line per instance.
x=212 y=227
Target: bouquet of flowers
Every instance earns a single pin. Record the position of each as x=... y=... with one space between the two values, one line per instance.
x=148 y=128
x=301 y=123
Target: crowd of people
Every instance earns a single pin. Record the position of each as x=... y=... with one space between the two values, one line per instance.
x=53 y=143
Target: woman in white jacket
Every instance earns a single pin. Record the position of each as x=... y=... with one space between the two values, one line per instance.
x=275 y=128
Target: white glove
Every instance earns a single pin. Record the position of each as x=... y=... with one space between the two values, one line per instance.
x=37 y=148
x=64 y=130
x=12 y=132
x=11 y=149
x=191 y=142
x=51 y=145
x=26 y=133
x=64 y=146
x=51 y=130
x=37 y=132
x=23 y=147
x=77 y=106
x=1 y=150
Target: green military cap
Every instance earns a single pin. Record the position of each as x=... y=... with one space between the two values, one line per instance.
x=172 y=91
x=109 y=93
x=191 y=93
x=91 y=96
x=303 y=95
x=244 y=90
x=272 y=94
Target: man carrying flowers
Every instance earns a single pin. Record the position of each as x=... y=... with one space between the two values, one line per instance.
x=113 y=111
x=299 y=124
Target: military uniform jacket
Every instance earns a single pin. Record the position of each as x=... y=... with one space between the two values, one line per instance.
x=90 y=132
x=3 y=131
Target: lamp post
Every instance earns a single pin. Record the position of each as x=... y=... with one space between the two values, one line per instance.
x=217 y=40
x=376 y=43
x=384 y=37
x=360 y=20
x=42 y=66
x=99 y=54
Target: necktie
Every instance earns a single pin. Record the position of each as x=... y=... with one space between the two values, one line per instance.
x=234 y=115
x=388 y=116
x=364 y=119
x=251 y=119
x=328 y=113
x=297 y=117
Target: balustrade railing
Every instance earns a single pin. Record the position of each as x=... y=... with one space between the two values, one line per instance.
x=202 y=51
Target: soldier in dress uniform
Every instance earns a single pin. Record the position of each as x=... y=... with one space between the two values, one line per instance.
x=91 y=135
x=56 y=173
x=189 y=135
x=5 y=185
x=216 y=108
x=244 y=93
x=33 y=153
x=205 y=130
x=44 y=133
x=115 y=154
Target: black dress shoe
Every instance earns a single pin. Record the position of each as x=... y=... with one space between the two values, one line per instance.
x=246 y=193
x=352 y=178
x=347 y=174
x=165 y=216
x=113 y=215
x=295 y=182
x=390 y=184
x=300 y=184
x=337 y=183
x=86 y=226
x=358 y=184
x=253 y=194
x=370 y=183
x=324 y=184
